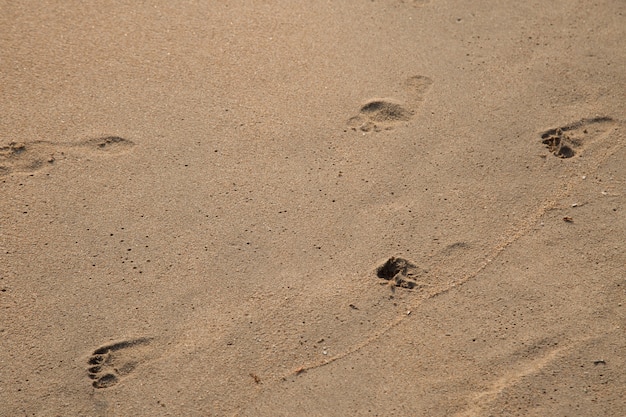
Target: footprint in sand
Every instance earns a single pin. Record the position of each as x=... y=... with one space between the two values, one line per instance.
x=400 y=272
x=108 y=144
x=386 y=113
x=30 y=157
x=414 y=3
x=26 y=157
x=110 y=364
x=568 y=141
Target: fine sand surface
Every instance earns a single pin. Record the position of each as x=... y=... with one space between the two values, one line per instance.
x=279 y=208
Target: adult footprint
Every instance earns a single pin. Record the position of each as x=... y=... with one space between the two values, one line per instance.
x=110 y=364
x=567 y=141
x=27 y=157
x=109 y=144
x=385 y=113
x=30 y=157
x=400 y=272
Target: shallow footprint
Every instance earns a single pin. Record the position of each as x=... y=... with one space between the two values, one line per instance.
x=416 y=3
x=27 y=157
x=30 y=157
x=385 y=113
x=416 y=89
x=109 y=144
x=378 y=114
x=109 y=364
x=568 y=141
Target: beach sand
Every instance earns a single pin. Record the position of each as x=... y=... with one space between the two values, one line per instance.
x=248 y=208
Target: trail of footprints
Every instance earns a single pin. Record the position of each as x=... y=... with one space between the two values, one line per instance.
x=401 y=273
x=110 y=364
x=30 y=157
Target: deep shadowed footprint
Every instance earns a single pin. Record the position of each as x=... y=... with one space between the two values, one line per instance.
x=30 y=157
x=568 y=141
x=385 y=113
x=400 y=272
x=109 y=364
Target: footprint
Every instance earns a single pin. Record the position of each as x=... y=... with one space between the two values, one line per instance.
x=416 y=89
x=30 y=157
x=385 y=113
x=454 y=248
x=109 y=144
x=399 y=272
x=378 y=114
x=568 y=141
x=109 y=364
x=415 y=3
x=26 y=157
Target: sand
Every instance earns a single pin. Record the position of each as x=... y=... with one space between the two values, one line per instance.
x=247 y=208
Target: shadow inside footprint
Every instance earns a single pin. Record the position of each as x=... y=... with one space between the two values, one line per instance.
x=379 y=114
x=385 y=113
x=560 y=144
x=567 y=141
x=110 y=363
x=399 y=272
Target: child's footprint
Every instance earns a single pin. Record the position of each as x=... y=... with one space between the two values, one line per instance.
x=109 y=364
x=30 y=157
x=385 y=113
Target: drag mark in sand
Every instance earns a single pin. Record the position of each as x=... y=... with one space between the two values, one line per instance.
x=480 y=401
x=536 y=358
